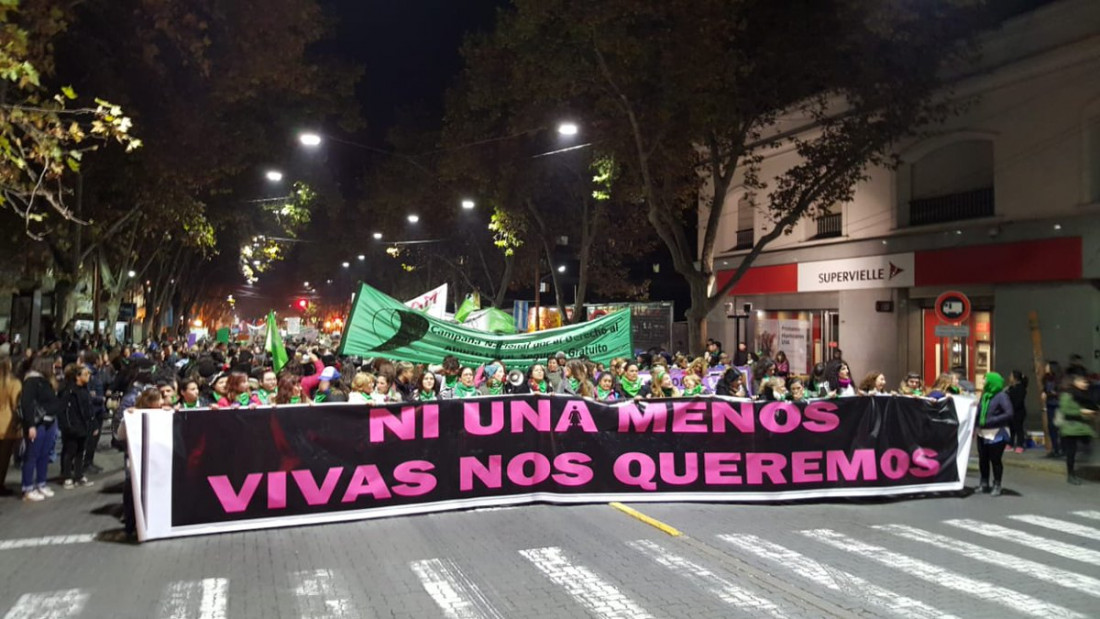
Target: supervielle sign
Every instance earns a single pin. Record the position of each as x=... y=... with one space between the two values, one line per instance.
x=197 y=472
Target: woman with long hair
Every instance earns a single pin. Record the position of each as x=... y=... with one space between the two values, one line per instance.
x=536 y=379
x=10 y=389
x=237 y=392
x=873 y=384
x=994 y=417
x=732 y=383
x=39 y=405
x=839 y=377
x=290 y=390
x=576 y=382
x=630 y=384
x=782 y=365
x=661 y=386
x=946 y=384
x=427 y=388
x=605 y=388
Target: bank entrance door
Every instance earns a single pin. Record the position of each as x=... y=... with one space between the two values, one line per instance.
x=971 y=356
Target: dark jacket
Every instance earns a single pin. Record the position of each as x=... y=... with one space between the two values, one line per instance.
x=407 y=391
x=76 y=416
x=999 y=413
x=1017 y=394
x=38 y=393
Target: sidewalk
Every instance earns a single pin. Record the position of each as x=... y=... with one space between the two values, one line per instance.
x=1035 y=458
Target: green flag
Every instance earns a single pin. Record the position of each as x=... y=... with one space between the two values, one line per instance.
x=470 y=304
x=222 y=335
x=275 y=348
x=381 y=326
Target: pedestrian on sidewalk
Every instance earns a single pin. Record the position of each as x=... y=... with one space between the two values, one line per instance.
x=38 y=405
x=10 y=435
x=75 y=420
x=1052 y=387
x=994 y=417
x=1017 y=393
x=1077 y=412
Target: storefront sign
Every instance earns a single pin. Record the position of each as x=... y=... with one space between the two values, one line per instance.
x=952 y=331
x=890 y=271
x=204 y=471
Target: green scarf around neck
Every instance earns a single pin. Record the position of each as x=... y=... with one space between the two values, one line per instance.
x=462 y=391
x=495 y=387
x=630 y=387
x=696 y=390
x=994 y=383
x=603 y=394
x=425 y=396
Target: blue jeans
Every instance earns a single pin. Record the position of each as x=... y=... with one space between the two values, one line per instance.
x=37 y=458
x=1052 y=430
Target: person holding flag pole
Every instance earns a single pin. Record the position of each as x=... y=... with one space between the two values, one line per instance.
x=276 y=351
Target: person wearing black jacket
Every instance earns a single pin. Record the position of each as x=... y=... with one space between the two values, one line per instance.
x=97 y=386
x=38 y=405
x=75 y=419
x=1017 y=393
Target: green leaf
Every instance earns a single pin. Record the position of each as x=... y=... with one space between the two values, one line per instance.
x=68 y=92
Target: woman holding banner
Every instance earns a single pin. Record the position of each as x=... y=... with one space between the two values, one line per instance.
x=630 y=384
x=873 y=384
x=661 y=386
x=536 y=380
x=605 y=388
x=577 y=382
x=464 y=388
x=427 y=389
x=994 y=417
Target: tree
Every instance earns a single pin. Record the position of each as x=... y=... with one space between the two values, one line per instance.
x=212 y=95
x=689 y=95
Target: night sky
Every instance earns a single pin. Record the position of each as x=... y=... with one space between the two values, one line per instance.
x=409 y=51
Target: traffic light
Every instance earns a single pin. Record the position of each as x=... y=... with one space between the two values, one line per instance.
x=302 y=304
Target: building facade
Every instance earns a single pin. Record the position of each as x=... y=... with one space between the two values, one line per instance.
x=1000 y=203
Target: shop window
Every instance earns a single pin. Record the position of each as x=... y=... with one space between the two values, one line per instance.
x=745 y=237
x=806 y=338
x=970 y=357
x=952 y=183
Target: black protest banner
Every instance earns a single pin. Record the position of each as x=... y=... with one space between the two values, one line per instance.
x=239 y=469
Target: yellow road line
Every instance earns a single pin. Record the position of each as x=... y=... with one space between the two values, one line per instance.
x=653 y=522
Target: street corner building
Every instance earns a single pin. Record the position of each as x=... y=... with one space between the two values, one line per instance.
x=999 y=206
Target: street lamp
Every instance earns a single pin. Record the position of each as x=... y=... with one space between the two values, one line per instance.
x=378 y=236
x=131 y=273
x=346 y=264
x=468 y=204
x=561 y=269
x=309 y=139
x=274 y=176
x=568 y=128
x=305 y=284
x=413 y=218
x=362 y=257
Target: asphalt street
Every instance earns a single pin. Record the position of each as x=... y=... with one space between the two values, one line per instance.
x=1033 y=552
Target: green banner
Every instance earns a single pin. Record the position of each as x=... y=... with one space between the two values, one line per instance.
x=381 y=326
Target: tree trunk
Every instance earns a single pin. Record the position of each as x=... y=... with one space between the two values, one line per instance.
x=505 y=279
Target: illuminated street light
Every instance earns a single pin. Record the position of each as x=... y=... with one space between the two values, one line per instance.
x=561 y=269
x=413 y=219
x=305 y=284
x=274 y=176
x=362 y=257
x=568 y=129
x=346 y=264
x=378 y=236
x=468 y=204
x=309 y=139
x=131 y=273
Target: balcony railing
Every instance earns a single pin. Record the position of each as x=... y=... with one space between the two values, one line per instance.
x=955 y=207
x=744 y=239
x=828 y=226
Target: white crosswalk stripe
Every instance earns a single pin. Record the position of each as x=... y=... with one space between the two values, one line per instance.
x=722 y=588
x=1095 y=515
x=202 y=599
x=934 y=574
x=842 y=582
x=455 y=594
x=1036 y=542
x=48 y=605
x=1059 y=525
x=1065 y=578
x=321 y=594
x=53 y=540
x=589 y=589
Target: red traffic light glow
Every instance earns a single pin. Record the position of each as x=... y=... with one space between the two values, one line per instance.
x=303 y=304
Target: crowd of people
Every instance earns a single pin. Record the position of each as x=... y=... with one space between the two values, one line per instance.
x=69 y=390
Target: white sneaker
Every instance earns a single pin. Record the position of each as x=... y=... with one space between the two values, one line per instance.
x=68 y=485
x=33 y=495
x=45 y=491
x=84 y=482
